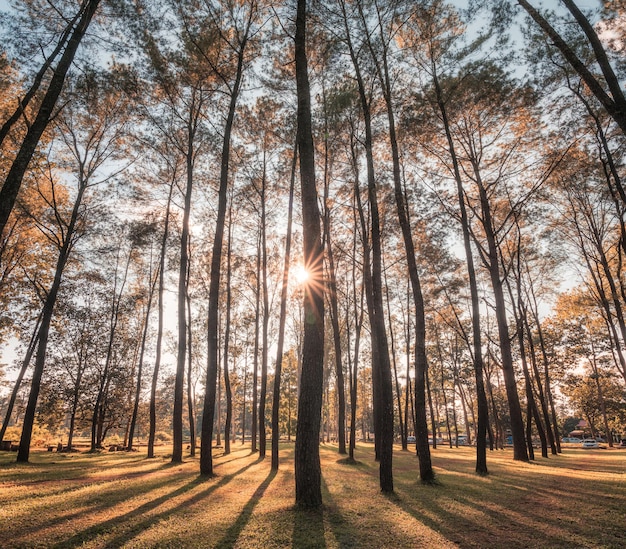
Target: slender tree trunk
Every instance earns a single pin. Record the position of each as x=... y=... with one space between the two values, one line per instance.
x=381 y=365
x=282 y=319
x=334 y=317
x=99 y=409
x=394 y=362
x=32 y=346
x=255 y=358
x=421 y=363
x=540 y=392
x=191 y=408
x=483 y=406
x=266 y=319
x=227 y=386
x=596 y=378
x=208 y=413
x=159 y=342
x=44 y=329
x=520 y=451
x=546 y=374
x=307 y=459
x=144 y=335
x=181 y=359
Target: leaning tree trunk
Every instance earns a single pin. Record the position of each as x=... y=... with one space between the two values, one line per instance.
x=34 y=88
x=520 y=451
x=307 y=459
x=208 y=412
x=32 y=346
x=614 y=101
x=381 y=365
x=44 y=330
x=483 y=406
x=13 y=181
x=421 y=363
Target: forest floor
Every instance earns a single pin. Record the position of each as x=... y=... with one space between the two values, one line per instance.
x=577 y=499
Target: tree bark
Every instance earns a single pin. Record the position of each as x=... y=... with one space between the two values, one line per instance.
x=208 y=413
x=307 y=459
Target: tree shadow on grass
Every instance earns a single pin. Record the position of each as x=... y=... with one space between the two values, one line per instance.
x=346 y=534
x=308 y=529
x=131 y=527
x=233 y=533
x=468 y=529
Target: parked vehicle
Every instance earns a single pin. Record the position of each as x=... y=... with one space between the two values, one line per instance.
x=590 y=443
x=575 y=440
x=622 y=443
x=410 y=439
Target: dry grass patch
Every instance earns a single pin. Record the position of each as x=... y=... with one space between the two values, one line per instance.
x=125 y=500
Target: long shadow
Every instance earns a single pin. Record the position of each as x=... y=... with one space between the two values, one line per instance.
x=233 y=533
x=346 y=534
x=131 y=529
x=459 y=528
x=308 y=529
x=105 y=500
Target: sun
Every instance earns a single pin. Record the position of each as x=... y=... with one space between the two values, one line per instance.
x=301 y=274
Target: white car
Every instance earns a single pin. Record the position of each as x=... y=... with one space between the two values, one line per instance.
x=590 y=443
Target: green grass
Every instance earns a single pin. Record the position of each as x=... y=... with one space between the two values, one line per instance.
x=577 y=499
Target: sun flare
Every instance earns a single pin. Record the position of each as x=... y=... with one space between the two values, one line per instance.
x=301 y=274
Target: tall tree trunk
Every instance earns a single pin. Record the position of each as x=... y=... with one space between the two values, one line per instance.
x=421 y=363
x=14 y=178
x=191 y=408
x=181 y=358
x=99 y=409
x=227 y=386
x=266 y=318
x=307 y=460
x=334 y=317
x=540 y=392
x=546 y=372
x=520 y=452
x=159 y=342
x=44 y=328
x=208 y=413
x=483 y=407
x=282 y=318
x=255 y=358
x=381 y=365
x=394 y=362
x=144 y=335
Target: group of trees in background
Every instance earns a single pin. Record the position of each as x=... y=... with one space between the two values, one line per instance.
x=455 y=267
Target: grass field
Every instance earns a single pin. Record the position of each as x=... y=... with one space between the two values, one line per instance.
x=574 y=500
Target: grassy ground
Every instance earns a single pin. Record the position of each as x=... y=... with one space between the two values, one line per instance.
x=119 y=500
